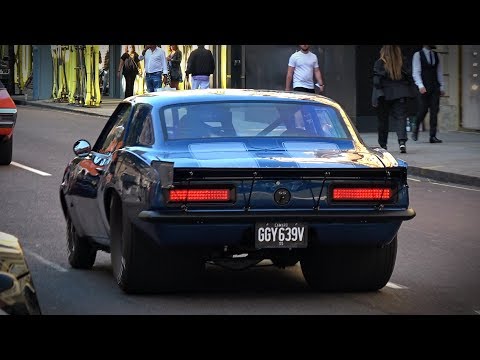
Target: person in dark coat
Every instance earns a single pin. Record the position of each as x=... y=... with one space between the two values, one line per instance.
x=129 y=68
x=201 y=65
x=174 y=59
x=392 y=86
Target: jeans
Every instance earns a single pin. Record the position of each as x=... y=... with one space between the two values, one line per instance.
x=200 y=84
x=154 y=81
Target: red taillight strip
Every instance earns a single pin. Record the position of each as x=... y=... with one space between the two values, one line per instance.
x=360 y=194
x=199 y=195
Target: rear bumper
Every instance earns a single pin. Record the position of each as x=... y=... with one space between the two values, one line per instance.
x=253 y=216
x=208 y=231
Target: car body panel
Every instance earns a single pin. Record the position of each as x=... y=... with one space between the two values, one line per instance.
x=8 y=114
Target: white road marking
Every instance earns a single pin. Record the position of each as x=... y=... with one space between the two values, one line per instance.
x=412 y=179
x=46 y=262
x=454 y=186
x=30 y=169
x=395 y=286
x=433 y=167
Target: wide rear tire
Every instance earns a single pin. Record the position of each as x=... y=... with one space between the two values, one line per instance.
x=349 y=268
x=6 y=150
x=140 y=266
x=81 y=253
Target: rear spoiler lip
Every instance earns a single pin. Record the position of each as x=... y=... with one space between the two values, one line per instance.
x=189 y=174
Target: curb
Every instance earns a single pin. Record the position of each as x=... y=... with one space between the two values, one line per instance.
x=48 y=106
x=444 y=176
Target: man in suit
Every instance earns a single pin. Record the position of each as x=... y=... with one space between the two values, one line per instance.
x=428 y=76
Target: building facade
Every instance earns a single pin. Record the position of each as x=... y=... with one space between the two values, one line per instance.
x=346 y=69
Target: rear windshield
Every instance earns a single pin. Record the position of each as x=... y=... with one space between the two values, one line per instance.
x=252 y=119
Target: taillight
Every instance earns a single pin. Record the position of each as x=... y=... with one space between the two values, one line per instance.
x=199 y=195
x=361 y=193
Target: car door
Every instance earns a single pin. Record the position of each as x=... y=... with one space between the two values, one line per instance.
x=91 y=170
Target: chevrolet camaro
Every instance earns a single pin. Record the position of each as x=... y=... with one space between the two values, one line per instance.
x=179 y=179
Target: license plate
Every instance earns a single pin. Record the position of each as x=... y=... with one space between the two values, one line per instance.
x=281 y=235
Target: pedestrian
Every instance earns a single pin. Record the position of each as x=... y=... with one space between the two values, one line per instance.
x=174 y=59
x=200 y=65
x=129 y=68
x=428 y=76
x=302 y=68
x=106 y=75
x=392 y=86
x=155 y=67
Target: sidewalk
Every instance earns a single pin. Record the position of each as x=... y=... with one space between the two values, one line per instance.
x=456 y=160
x=104 y=110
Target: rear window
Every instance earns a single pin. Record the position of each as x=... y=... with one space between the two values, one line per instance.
x=252 y=119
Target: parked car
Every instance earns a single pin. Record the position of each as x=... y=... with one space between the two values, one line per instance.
x=233 y=177
x=8 y=117
x=17 y=292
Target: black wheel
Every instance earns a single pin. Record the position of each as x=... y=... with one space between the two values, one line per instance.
x=349 y=268
x=81 y=253
x=6 y=151
x=139 y=266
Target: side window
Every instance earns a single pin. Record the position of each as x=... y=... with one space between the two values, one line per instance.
x=330 y=124
x=141 y=128
x=112 y=135
x=172 y=117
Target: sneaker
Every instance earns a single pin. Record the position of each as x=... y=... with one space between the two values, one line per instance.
x=434 y=139
x=403 y=148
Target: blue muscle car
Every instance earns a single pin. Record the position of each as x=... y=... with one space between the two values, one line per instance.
x=232 y=177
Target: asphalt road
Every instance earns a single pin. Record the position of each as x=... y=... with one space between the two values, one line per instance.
x=437 y=269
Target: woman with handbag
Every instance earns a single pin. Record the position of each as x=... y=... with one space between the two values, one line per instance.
x=129 y=68
x=174 y=59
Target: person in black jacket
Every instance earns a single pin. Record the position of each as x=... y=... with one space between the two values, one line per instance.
x=428 y=76
x=201 y=65
x=129 y=68
x=392 y=81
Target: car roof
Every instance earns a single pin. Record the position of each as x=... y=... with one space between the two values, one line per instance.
x=170 y=97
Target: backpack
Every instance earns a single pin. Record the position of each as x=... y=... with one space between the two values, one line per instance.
x=129 y=66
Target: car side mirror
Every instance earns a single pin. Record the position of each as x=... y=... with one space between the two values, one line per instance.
x=82 y=148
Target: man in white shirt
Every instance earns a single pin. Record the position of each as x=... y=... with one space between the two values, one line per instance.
x=302 y=67
x=155 y=66
x=428 y=76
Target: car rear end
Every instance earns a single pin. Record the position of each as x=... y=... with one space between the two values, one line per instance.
x=247 y=210
x=8 y=118
x=268 y=190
